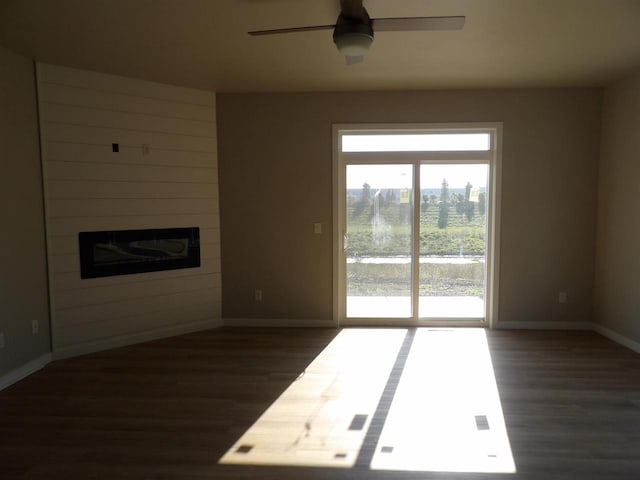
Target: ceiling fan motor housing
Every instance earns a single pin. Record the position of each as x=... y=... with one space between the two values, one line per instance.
x=353 y=38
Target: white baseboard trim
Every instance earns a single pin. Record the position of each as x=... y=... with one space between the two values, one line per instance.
x=616 y=337
x=125 y=340
x=275 y=322
x=515 y=325
x=24 y=371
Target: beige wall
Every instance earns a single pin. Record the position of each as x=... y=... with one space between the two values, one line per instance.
x=90 y=188
x=23 y=274
x=617 y=302
x=276 y=181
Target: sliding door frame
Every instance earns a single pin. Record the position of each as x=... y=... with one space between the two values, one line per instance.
x=492 y=158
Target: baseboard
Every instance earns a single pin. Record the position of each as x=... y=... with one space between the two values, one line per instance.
x=24 y=371
x=275 y=322
x=514 y=325
x=616 y=337
x=125 y=340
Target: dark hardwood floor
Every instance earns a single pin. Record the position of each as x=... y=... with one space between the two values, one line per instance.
x=171 y=409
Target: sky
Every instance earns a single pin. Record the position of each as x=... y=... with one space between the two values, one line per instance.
x=429 y=142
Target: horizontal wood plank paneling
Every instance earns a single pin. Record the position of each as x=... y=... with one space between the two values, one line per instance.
x=123 y=102
x=81 y=171
x=70 y=299
x=63 y=189
x=81 y=152
x=131 y=308
x=88 y=134
x=86 y=116
x=171 y=317
x=140 y=206
x=89 y=187
x=102 y=83
x=72 y=225
x=71 y=281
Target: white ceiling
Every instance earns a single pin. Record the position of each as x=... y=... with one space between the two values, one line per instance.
x=204 y=44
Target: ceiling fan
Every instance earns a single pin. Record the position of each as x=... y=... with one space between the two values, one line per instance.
x=353 y=31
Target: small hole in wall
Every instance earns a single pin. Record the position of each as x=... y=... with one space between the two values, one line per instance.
x=115 y=147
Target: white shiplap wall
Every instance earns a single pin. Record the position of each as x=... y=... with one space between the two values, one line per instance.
x=88 y=188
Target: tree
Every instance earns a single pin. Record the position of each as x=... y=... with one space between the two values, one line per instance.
x=469 y=206
x=364 y=201
x=443 y=214
x=425 y=202
x=365 y=197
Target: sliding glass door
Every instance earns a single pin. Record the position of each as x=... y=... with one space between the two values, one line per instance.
x=453 y=239
x=379 y=240
x=415 y=225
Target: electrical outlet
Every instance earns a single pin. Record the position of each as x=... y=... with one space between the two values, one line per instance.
x=1 y=339
x=317 y=228
x=562 y=297
x=35 y=327
x=258 y=295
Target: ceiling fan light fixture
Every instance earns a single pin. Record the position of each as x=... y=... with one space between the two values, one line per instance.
x=353 y=44
x=353 y=39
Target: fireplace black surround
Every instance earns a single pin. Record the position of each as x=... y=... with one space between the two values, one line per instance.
x=123 y=252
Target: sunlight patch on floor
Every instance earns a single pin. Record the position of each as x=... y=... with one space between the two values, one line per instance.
x=445 y=415
x=312 y=423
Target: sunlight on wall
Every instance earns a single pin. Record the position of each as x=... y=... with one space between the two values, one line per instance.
x=445 y=414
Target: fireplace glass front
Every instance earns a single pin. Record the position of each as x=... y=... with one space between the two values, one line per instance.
x=123 y=252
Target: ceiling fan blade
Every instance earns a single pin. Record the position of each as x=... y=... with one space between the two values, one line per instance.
x=417 y=23
x=351 y=60
x=291 y=30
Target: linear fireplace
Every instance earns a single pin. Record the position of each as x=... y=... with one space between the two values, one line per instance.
x=123 y=252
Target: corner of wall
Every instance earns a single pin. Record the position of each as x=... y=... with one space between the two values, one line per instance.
x=23 y=277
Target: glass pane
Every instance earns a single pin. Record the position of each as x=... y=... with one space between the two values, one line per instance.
x=379 y=244
x=453 y=239
x=432 y=142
